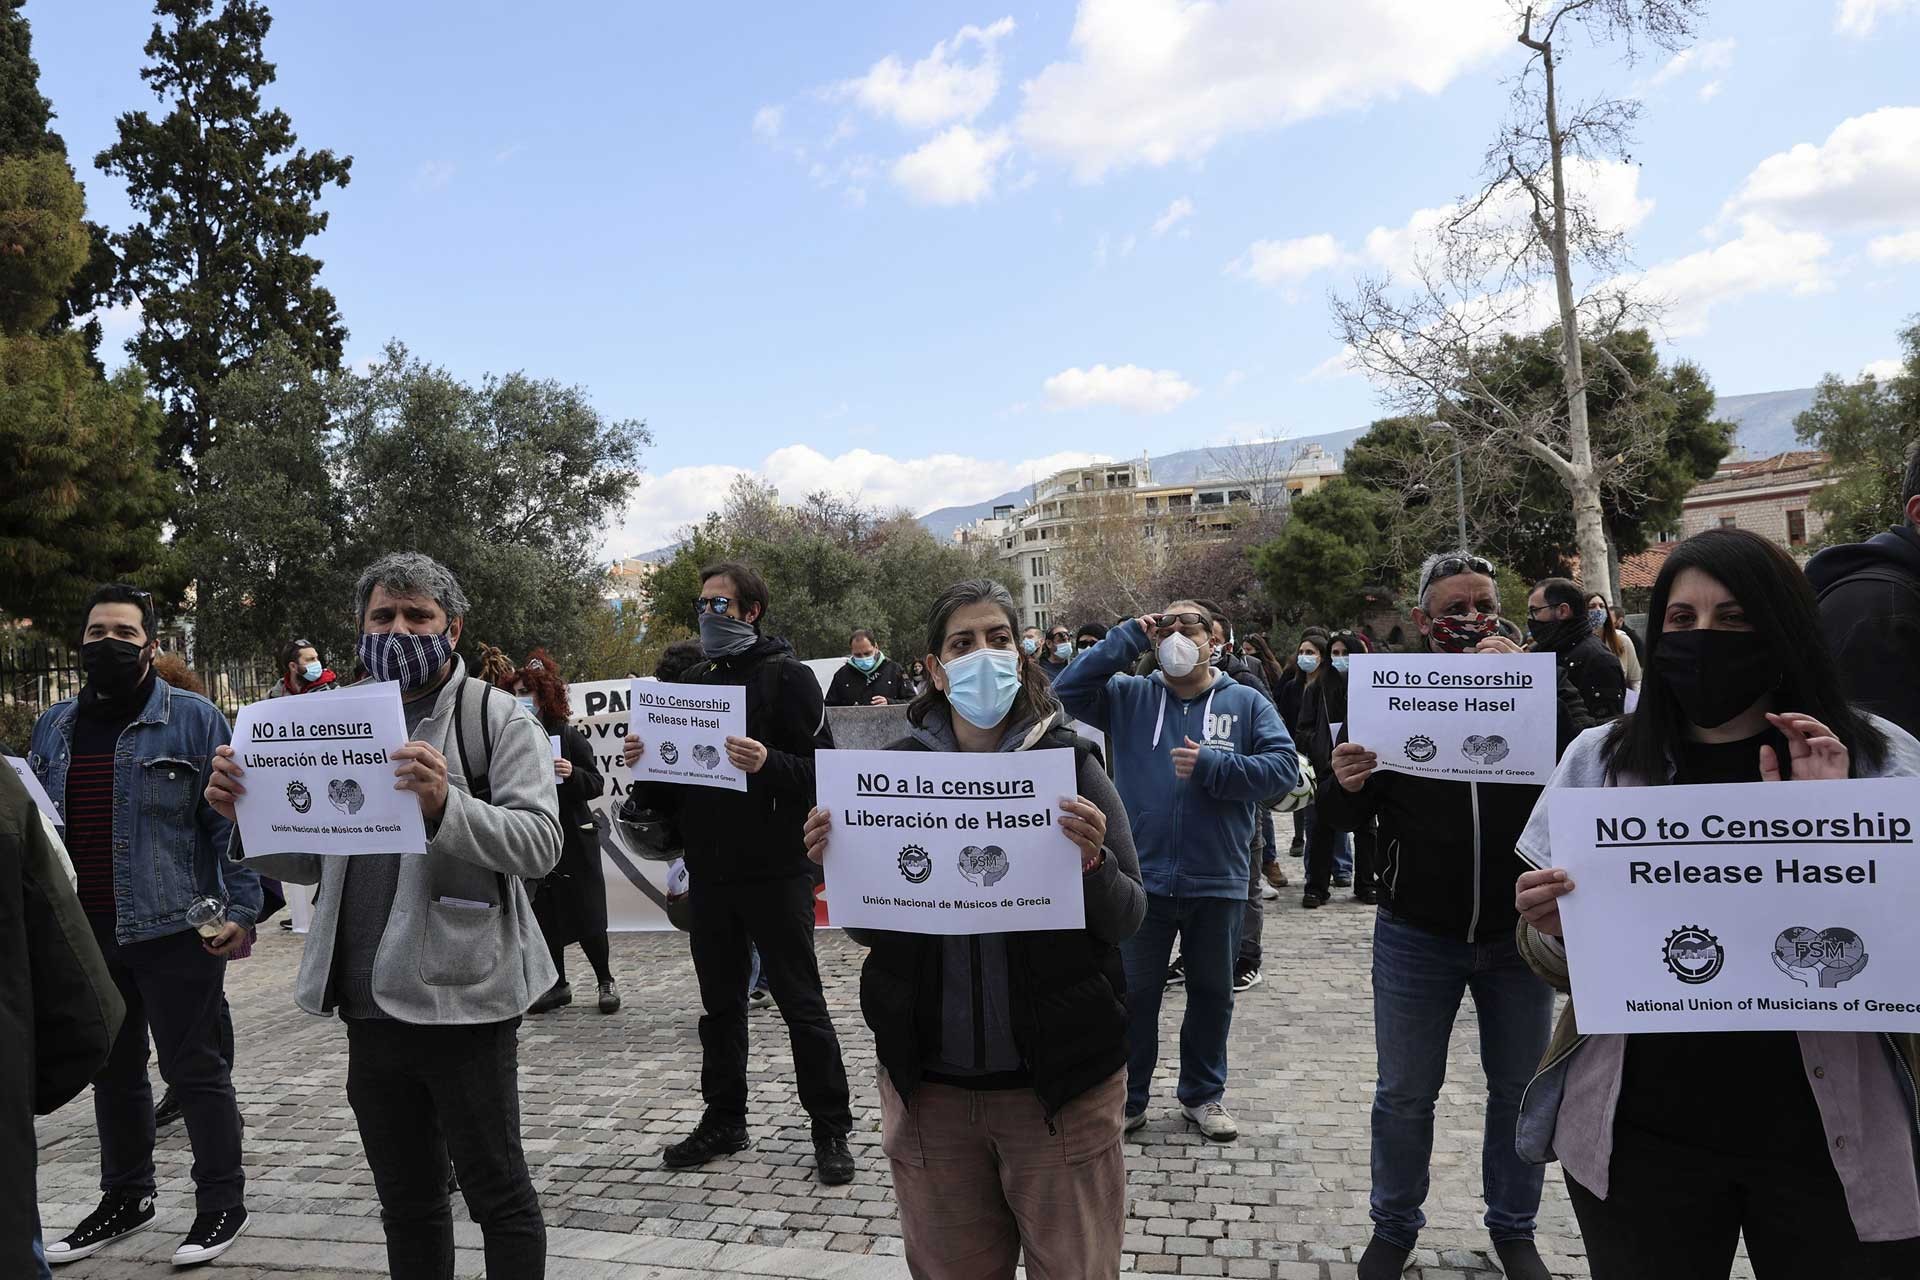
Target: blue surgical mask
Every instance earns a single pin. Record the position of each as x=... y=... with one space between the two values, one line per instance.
x=1340 y=662
x=311 y=672
x=528 y=704
x=1597 y=619
x=865 y=662
x=1063 y=651
x=981 y=685
x=411 y=660
x=1308 y=662
x=1029 y=646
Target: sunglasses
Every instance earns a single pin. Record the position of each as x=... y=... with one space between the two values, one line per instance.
x=1168 y=621
x=712 y=604
x=1453 y=567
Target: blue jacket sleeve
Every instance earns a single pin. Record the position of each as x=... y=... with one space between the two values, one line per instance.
x=1082 y=687
x=1269 y=767
x=242 y=883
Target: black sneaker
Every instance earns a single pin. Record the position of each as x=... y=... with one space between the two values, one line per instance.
x=1521 y=1260
x=709 y=1141
x=119 y=1215
x=558 y=994
x=1310 y=900
x=1177 y=971
x=167 y=1111
x=1383 y=1261
x=609 y=998
x=1368 y=896
x=832 y=1161
x=1343 y=882
x=212 y=1235
x=1246 y=975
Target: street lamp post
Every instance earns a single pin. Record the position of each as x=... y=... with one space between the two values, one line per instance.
x=1459 y=477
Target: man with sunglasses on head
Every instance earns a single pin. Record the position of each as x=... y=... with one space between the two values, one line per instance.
x=301 y=671
x=752 y=879
x=1056 y=651
x=1445 y=928
x=1194 y=753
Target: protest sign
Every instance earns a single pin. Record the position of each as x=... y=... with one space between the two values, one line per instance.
x=1481 y=717
x=949 y=842
x=636 y=888
x=1745 y=907
x=319 y=774
x=685 y=728
x=31 y=782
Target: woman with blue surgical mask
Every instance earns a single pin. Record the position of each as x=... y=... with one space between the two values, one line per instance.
x=1323 y=713
x=1012 y=1144
x=1600 y=617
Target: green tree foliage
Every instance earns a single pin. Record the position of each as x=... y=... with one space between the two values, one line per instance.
x=507 y=483
x=43 y=238
x=1870 y=427
x=830 y=564
x=228 y=200
x=1320 y=564
x=26 y=117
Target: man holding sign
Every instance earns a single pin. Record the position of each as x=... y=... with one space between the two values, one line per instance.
x=1445 y=927
x=1743 y=938
x=752 y=882
x=429 y=958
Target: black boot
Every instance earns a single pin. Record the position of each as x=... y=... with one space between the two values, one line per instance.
x=1520 y=1260
x=558 y=994
x=709 y=1141
x=1383 y=1261
x=832 y=1161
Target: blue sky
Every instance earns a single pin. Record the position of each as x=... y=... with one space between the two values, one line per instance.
x=922 y=253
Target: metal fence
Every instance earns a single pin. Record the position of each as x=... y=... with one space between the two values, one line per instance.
x=36 y=672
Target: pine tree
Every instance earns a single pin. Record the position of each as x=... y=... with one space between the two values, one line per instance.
x=229 y=199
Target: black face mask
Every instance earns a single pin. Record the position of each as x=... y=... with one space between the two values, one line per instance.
x=114 y=667
x=1715 y=675
x=1556 y=634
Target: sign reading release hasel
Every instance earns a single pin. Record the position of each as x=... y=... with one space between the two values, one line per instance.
x=1783 y=906
x=950 y=841
x=683 y=731
x=1468 y=717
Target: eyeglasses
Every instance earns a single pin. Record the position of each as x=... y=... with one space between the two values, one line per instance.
x=1452 y=567
x=1057 y=637
x=712 y=604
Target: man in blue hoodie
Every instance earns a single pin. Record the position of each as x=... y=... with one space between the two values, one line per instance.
x=1194 y=753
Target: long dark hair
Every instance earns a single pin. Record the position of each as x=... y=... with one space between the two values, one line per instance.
x=1780 y=605
x=1608 y=633
x=1036 y=694
x=1323 y=646
x=1268 y=662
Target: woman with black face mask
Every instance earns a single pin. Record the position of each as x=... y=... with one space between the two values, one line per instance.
x=1675 y=1145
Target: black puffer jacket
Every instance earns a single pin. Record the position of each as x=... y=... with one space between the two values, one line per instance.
x=852 y=687
x=1446 y=854
x=1870 y=610
x=732 y=837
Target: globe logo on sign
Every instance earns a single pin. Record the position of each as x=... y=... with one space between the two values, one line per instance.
x=1825 y=958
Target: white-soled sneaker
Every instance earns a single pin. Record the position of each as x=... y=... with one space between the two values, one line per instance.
x=118 y=1215
x=1214 y=1123
x=212 y=1235
x=1136 y=1123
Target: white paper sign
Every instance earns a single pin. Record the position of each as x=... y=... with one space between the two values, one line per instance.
x=685 y=728
x=31 y=782
x=950 y=842
x=1481 y=717
x=319 y=775
x=1782 y=906
x=553 y=740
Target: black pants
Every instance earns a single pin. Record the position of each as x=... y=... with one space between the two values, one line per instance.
x=1322 y=840
x=424 y=1094
x=1676 y=1212
x=173 y=987
x=777 y=917
x=594 y=947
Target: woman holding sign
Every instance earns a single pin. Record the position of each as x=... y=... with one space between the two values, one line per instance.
x=1003 y=1056
x=1675 y=1145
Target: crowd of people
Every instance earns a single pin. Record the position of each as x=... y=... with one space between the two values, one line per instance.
x=1014 y=1067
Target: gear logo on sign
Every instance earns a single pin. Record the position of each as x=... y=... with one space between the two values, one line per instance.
x=299 y=797
x=915 y=864
x=345 y=795
x=1826 y=959
x=1420 y=748
x=1693 y=955
x=669 y=754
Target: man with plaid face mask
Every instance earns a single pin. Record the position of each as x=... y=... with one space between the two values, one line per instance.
x=1445 y=928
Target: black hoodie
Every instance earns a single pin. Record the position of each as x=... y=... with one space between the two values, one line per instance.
x=730 y=837
x=1870 y=611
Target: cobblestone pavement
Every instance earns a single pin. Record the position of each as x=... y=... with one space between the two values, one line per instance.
x=601 y=1096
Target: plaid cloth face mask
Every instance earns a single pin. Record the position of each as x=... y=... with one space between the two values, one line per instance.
x=413 y=660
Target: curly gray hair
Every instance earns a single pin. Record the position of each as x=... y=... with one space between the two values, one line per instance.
x=408 y=573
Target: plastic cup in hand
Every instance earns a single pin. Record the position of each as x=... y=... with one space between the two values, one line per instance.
x=208 y=916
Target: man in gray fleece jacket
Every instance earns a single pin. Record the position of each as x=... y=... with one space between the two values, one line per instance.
x=430 y=961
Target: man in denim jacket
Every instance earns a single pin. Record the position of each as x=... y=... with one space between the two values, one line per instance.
x=126 y=763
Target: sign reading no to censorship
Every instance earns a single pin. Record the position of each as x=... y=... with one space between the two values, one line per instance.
x=1469 y=717
x=1784 y=906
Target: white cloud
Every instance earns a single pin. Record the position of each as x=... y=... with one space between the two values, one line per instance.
x=1901 y=248
x=1124 y=386
x=1338 y=365
x=767 y=122
x=1710 y=90
x=434 y=175
x=1177 y=212
x=1702 y=59
x=1883 y=370
x=1154 y=81
x=937 y=89
x=665 y=504
x=1858 y=18
x=1762 y=259
x=957 y=167
x=1279 y=262
x=1867 y=173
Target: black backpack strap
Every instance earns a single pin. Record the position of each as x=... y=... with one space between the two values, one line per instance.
x=478 y=785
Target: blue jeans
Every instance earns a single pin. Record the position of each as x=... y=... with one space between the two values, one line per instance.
x=1321 y=837
x=753 y=974
x=1418 y=980
x=1209 y=930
